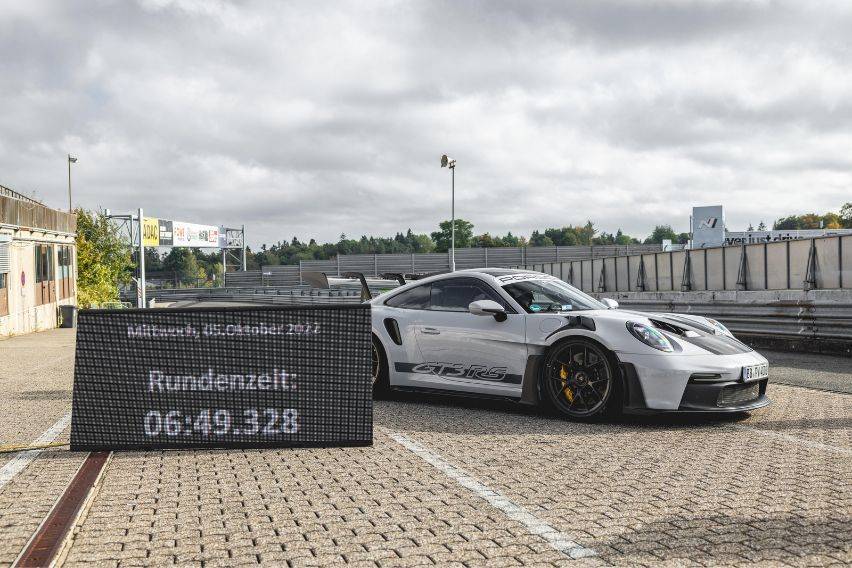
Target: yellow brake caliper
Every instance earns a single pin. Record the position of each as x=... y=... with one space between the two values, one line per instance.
x=566 y=390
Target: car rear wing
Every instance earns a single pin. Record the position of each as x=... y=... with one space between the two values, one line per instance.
x=323 y=281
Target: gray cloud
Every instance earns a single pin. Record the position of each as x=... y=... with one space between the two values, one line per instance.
x=316 y=119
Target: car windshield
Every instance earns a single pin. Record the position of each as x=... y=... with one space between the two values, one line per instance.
x=551 y=295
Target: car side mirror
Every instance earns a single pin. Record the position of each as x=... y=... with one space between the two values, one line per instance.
x=488 y=308
x=609 y=303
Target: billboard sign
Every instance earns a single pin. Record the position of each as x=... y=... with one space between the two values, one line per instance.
x=193 y=235
x=223 y=377
x=708 y=226
x=165 y=230
x=230 y=238
x=150 y=232
x=165 y=233
x=749 y=237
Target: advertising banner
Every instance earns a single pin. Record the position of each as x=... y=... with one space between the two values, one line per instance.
x=150 y=232
x=223 y=377
x=192 y=235
x=166 y=239
x=708 y=226
x=230 y=238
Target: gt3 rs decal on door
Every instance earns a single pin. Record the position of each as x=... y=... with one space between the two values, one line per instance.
x=460 y=371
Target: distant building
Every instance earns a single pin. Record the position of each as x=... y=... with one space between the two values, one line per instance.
x=38 y=261
x=708 y=230
x=749 y=237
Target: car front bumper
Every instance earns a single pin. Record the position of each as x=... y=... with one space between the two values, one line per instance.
x=695 y=383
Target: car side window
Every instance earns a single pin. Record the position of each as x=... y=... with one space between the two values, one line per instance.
x=416 y=298
x=456 y=294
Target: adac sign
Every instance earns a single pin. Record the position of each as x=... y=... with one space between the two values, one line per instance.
x=151 y=232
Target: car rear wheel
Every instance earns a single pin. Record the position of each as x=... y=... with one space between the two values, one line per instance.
x=379 y=368
x=578 y=378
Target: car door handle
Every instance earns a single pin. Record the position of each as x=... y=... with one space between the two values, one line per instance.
x=430 y=331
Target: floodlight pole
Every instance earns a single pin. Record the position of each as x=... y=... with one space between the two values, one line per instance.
x=141 y=284
x=70 y=161
x=453 y=220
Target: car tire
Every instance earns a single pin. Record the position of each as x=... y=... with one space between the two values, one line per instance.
x=580 y=379
x=379 y=369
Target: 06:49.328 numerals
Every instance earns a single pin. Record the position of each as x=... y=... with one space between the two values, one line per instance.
x=222 y=422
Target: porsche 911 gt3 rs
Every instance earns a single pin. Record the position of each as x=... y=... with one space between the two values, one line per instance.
x=533 y=338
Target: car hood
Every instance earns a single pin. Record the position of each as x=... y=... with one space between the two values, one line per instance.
x=691 y=334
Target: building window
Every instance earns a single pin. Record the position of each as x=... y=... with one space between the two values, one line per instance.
x=45 y=287
x=4 y=293
x=65 y=274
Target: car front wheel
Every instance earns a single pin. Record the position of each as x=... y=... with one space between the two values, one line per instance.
x=578 y=378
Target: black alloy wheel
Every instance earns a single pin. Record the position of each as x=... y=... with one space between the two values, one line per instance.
x=578 y=378
x=377 y=364
x=379 y=369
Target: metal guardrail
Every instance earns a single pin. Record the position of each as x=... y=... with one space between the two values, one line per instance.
x=822 y=316
x=817 y=317
x=375 y=264
x=269 y=296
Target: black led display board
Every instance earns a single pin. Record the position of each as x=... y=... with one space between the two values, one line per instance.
x=223 y=377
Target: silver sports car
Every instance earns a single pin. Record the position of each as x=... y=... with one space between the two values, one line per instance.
x=533 y=338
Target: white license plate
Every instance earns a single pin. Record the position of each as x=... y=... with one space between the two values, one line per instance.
x=755 y=372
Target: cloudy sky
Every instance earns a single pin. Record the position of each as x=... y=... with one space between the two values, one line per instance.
x=316 y=118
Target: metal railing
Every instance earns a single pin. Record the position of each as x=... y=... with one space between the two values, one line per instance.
x=17 y=210
x=8 y=192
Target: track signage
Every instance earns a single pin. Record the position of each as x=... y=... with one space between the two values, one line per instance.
x=222 y=377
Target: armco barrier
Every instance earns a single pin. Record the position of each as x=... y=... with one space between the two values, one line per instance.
x=223 y=377
x=816 y=320
x=289 y=295
x=375 y=264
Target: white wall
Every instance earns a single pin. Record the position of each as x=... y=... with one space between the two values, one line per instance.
x=24 y=316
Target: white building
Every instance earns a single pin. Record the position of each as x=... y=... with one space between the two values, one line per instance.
x=38 y=260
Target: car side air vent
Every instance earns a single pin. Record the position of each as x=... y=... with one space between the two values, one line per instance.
x=393 y=330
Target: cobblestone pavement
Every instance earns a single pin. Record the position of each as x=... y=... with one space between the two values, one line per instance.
x=827 y=372
x=455 y=481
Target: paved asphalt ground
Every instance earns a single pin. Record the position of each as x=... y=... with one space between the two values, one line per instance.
x=455 y=482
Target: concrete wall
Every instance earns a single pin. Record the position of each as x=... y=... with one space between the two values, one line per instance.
x=24 y=315
x=821 y=263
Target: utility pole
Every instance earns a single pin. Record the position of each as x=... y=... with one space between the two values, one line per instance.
x=244 y=248
x=141 y=284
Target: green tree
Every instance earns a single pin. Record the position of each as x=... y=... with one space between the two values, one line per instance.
x=464 y=235
x=660 y=233
x=183 y=263
x=539 y=240
x=103 y=259
x=788 y=223
x=846 y=215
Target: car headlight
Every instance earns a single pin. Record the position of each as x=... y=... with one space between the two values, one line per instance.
x=650 y=336
x=718 y=328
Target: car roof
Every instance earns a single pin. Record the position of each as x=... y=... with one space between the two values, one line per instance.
x=488 y=274
x=495 y=271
